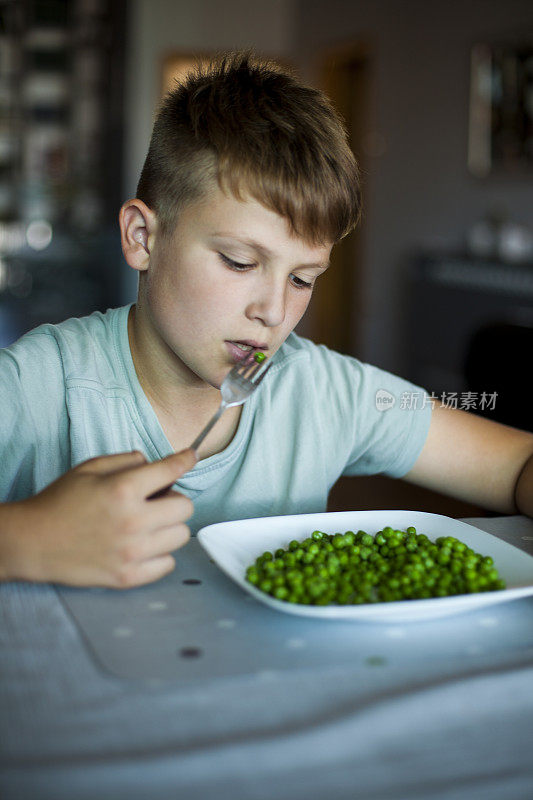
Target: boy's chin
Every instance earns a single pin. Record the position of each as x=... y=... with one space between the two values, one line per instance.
x=212 y=379
x=215 y=381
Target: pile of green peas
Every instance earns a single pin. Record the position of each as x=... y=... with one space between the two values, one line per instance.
x=353 y=568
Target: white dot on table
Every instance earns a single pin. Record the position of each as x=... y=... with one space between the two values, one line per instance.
x=395 y=633
x=527 y=538
x=157 y=605
x=226 y=623
x=489 y=622
x=267 y=675
x=122 y=632
x=295 y=643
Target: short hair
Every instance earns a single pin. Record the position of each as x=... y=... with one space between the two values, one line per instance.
x=258 y=131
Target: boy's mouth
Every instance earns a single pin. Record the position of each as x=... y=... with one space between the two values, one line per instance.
x=248 y=344
x=240 y=349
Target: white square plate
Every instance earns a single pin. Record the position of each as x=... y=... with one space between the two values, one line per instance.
x=234 y=546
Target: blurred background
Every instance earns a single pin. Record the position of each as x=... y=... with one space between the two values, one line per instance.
x=437 y=283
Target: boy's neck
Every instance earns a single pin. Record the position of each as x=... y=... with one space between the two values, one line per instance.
x=158 y=376
x=182 y=410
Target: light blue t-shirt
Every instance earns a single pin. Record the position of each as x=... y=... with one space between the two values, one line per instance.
x=69 y=392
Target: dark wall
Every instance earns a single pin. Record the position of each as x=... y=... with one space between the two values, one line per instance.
x=419 y=193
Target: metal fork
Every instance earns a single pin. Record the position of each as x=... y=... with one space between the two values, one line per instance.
x=236 y=387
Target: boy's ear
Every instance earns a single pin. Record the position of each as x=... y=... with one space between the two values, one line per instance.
x=137 y=233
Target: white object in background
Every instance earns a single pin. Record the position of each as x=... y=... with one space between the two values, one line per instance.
x=482 y=239
x=39 y=234
x=515 y=243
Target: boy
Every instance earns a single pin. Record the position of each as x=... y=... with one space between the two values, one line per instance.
x=247 y=185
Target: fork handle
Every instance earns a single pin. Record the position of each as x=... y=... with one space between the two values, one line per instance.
x=201 y=436
x=194 y=446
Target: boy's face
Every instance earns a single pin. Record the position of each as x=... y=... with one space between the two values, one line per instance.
x=232 y=274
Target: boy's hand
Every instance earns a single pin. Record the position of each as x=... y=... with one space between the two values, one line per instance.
x=95 y=525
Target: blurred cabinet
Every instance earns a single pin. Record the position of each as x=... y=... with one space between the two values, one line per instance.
x=470 y=329
x=61 y=127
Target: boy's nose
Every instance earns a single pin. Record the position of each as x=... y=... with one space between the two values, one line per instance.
x=268 y=304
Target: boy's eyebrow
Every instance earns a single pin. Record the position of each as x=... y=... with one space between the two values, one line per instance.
x=260 y=248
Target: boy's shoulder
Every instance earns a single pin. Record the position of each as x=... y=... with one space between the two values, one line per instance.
x=75 y=345
x=299 y=349
x=96 y=324
x=332 y=374
x=296 y=346
x=314 y=370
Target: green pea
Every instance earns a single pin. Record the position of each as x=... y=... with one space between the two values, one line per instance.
x=294 y=576
x=252 y=576
x=338 y=541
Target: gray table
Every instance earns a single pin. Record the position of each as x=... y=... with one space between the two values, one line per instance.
x=187 y=688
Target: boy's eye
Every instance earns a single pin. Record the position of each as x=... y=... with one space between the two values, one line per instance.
x=238 y=266
x=229 y=262
x=300 y=284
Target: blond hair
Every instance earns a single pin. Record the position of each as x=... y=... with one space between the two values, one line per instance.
x=258 y=131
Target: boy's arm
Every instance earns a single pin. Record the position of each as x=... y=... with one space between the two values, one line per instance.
x=478 y=461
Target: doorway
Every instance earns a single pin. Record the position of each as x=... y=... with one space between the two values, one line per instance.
x=345 y=73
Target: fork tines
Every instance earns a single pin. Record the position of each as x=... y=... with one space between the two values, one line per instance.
x=248 y=368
